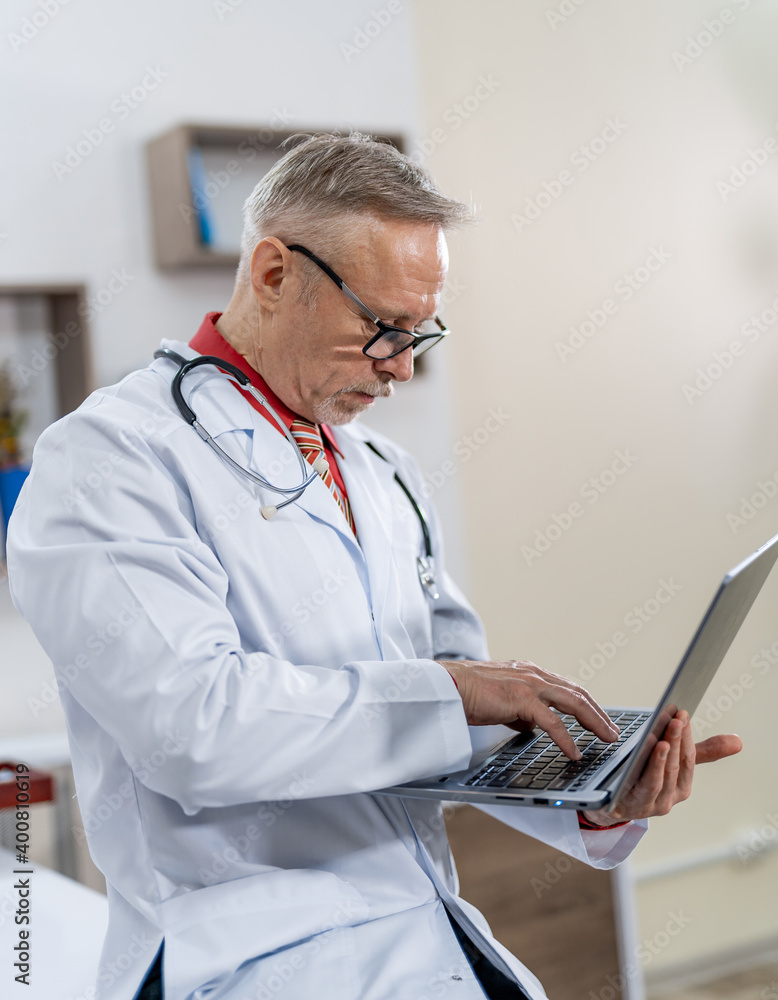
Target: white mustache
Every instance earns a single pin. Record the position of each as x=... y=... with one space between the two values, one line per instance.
x=380 y=389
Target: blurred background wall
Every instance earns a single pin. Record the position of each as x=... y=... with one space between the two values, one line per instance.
x=621 y=308
x=73 y=218
x=600 y=431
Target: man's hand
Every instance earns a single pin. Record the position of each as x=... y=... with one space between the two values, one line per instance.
x=518 y=694
x=667 y=777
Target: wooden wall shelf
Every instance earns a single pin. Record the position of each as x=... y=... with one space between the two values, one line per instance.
x=68 y=350
x=199 y=177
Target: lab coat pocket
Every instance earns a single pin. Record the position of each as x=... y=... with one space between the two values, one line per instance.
x=231 y=936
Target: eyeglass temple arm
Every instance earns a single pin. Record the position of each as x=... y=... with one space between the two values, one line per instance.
x=357 y=301
x=338 y=281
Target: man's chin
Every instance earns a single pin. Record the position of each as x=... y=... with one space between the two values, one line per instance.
x=336 y=416
x=344 y=407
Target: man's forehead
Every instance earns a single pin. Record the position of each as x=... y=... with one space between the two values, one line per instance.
x=400 y=253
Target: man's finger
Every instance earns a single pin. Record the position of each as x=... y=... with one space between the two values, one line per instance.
x=550 y=723
x=673 y=734
x=716 y=747
x=652 y=780
x=580 y=704
x=688 y=760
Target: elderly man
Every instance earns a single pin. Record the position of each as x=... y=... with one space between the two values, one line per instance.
x=245 y=648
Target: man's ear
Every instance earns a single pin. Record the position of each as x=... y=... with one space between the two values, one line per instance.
x=270 y=270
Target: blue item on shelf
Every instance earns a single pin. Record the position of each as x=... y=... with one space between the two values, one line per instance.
x=11 y=482
x=199 y=183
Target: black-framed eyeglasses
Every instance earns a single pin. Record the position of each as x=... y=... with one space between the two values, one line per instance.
x=390 y=340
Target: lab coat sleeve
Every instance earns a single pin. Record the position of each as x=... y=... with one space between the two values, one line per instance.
x=130 y=604
x=559 y=828
x=459 y=634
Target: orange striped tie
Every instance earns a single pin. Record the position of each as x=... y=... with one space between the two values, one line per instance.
x=308 y=438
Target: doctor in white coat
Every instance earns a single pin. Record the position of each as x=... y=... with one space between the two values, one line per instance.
x=237 y=687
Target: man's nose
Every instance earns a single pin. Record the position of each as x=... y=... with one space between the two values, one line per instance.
x=400 y=367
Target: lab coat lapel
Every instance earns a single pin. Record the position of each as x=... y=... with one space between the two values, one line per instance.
x=369 y=482
x=225 y=412
x=270 y=449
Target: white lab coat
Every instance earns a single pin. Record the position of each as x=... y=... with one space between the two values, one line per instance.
x=236 y=688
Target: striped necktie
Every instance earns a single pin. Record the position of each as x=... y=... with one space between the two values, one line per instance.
x=308 y=438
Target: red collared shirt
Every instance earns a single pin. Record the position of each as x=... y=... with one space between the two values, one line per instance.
x=208 y=340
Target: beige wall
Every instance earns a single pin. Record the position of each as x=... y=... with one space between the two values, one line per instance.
x=511 y=95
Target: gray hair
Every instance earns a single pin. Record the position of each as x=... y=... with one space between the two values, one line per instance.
x=316 y=193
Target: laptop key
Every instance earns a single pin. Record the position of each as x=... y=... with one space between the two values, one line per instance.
x=521 y=781
x=498 y=780
x=478 y=778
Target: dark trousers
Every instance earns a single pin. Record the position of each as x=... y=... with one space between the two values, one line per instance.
x=152 y=985
x=495 y=984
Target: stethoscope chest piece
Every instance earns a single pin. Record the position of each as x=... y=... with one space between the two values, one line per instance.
x=426 y=565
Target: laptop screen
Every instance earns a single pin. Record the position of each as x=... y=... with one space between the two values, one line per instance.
x=708 y=648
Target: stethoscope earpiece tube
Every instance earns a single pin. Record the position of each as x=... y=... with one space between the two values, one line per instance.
x=235 y=374
x=426 y=562
x=184 y=367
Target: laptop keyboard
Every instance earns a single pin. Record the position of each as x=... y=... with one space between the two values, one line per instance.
x=543 y=765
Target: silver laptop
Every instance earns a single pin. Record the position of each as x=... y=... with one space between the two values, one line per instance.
x=530 y=769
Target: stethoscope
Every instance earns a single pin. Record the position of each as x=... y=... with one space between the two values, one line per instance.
x=425 y=563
